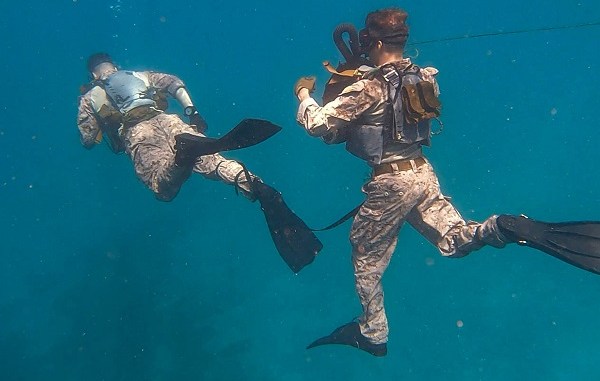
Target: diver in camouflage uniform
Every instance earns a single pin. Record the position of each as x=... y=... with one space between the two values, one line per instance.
x=403 y=187
x=126 y=108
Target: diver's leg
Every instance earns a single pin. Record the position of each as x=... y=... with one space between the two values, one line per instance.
x=374 y=235
x=438 y=220
x=371 y=254
x=150 y=145
x=216 y=167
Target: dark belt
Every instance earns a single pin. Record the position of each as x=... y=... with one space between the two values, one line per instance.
x=397 y=166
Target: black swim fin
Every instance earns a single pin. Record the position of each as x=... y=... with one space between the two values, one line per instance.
x=295 y=242
x=247 y=133
x=577 y=243
x=349 y=334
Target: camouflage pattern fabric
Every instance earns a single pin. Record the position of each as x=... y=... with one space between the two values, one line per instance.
x=150 y=143
x=411 y=196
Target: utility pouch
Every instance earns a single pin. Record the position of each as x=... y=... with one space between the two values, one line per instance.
x=411 y=104
x=109 y=115
x=110 y=123
x=430 y=101
x=419 y=102
x=162 y=103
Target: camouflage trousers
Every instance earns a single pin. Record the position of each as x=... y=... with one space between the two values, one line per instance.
x=150 y=145
x=413 y=196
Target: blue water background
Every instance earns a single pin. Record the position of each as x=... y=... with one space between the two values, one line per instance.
x=99 y=281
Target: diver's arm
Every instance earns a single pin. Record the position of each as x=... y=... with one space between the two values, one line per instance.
x=175 y=87
x=171 y=85
x=428 y=74
x=311 y=116
x=329 y=120
x=183 y=97
x=163 y=82
x=89 y=128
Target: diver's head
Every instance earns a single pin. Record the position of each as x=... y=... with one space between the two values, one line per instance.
x=100 y=64
x=385 y=32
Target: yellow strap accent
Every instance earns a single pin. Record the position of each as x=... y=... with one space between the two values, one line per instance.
x=343 y=73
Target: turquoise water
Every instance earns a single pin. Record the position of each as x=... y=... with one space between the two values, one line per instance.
x=102 y=282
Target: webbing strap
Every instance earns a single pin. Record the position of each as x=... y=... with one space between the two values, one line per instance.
x=345 y=218
x=343 y=73
x=391 y=76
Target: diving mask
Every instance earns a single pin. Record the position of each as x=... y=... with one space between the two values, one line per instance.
x=366 y=39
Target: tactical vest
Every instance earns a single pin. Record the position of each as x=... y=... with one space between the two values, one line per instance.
x=412 y=104
x=127 y=91
x=109 y=119
x=114 y=100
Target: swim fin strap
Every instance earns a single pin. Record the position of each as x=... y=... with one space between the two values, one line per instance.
x=577 y=243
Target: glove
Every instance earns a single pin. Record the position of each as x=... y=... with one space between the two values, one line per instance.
x=196 y=119
x=305 y=82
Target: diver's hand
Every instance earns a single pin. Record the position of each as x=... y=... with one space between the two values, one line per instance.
x=198 y=121
x=307 y=83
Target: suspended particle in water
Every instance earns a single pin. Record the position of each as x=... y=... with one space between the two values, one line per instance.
x=553 y=111
x=163 y=19
x=459 y=323
x=429 y=261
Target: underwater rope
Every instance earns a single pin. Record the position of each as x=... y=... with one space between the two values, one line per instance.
x=464 y=37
